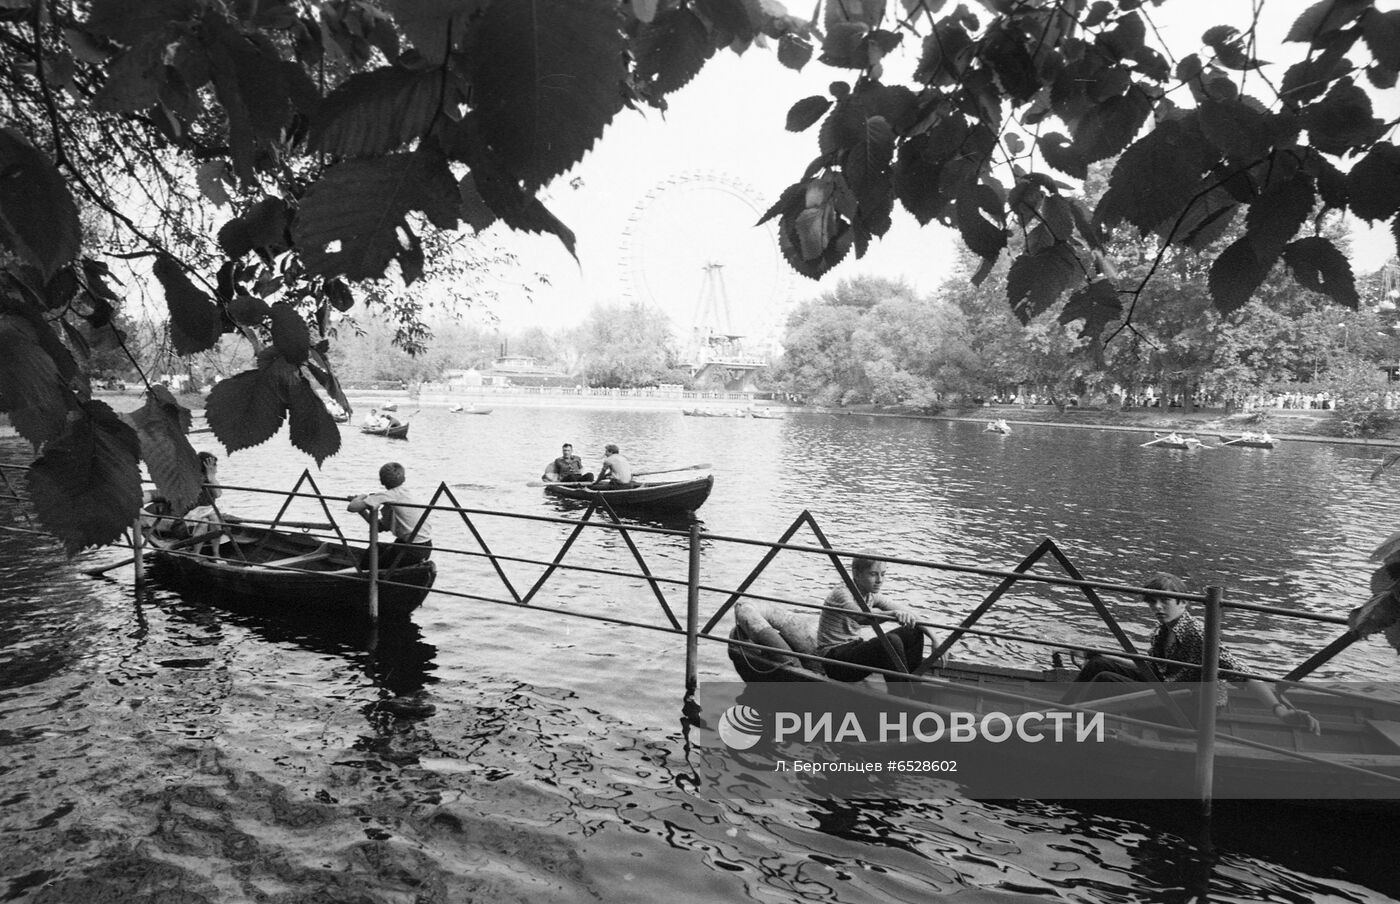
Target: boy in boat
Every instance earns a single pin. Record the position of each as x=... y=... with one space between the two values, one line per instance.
x=840 y=635
x=616 y=472
x=567 y=468
x=1178 y=637
x=413 y=541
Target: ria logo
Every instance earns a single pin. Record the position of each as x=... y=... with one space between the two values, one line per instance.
x=741 y=727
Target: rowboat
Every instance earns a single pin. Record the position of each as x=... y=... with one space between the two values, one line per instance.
x=1143 y=756
x=714 y=412
x=471 y=409
x=646 y=496
x=1247 y=440
x=1187 y=442
x=997 y=426
x=290 y=573
x=399 y=431
x=767 y=415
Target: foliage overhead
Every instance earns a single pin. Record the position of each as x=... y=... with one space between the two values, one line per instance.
x=343 y=136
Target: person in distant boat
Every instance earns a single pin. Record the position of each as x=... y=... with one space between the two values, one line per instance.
x=1178 y=637
x=389 y=422
x=203 y=517
x=413 y=540
x=567 y=468
x=616 y=471
x=840 y=633
x=373 y=420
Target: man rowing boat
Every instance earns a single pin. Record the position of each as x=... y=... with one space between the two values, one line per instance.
x=567 y=468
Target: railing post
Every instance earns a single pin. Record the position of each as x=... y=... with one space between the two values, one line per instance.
x=374 y=563
x=1205 y=721
x=692 y=612
x=138 y=563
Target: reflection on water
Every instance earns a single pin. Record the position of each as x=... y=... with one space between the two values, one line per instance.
x=161 y=749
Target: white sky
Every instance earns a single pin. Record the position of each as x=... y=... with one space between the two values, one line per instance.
x=728 y=124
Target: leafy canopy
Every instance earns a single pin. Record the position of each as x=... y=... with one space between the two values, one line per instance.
x=341 y=134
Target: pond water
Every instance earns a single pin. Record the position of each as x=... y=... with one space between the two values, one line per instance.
x=154 y=748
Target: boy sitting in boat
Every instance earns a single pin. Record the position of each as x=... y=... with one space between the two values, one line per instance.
x=1177 y=637
x=840 y=632
x=567 y=468
x=413 y=542
x=616 y=473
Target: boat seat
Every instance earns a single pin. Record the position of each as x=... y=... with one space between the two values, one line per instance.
x=1387 y=729
x=293 y=561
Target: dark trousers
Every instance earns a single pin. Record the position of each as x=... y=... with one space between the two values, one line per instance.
x=1099 y=673
x=399 y=554
x=872 y=653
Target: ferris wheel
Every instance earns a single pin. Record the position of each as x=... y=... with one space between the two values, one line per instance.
x=691 y=250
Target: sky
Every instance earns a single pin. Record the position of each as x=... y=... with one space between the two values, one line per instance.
x=660 y=195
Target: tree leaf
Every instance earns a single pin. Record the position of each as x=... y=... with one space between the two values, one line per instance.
x=1237 y=273
x=982 y=219
x=915 y=182
x=1324 y=17
x=32 y=389
x=262 y=226
x=433 y=27
x=1097 y=304
x=1381 y=32
x=1318 y=265
x=361 y=204
x=312 y=429
x=1276 y=215
x=794 y=51
x=1105 y=129
x=866 y=165
x=161 y=426
x=321 y=370
x=373 y=113
x=247 y=310
x=86 y=487
x=129 y=21
x=195 y=324
x=248 y=408
x=1059 y=152
x=251 y=85
x=806 y=112
x=670 y=51
x=549 y=85
x=289 y=333
x=1036 y=281
x=1342 y=119
x=1145 y=188
x=1373 y=184
x=38 y=219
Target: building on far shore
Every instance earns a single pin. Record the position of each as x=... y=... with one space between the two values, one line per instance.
x=507 y=371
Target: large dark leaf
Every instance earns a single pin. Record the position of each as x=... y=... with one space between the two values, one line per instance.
x=1097 y=304
x=313 y=430
x=38 y=219
x=671 y=50
x=1105 y=129
x=1325 y=17
x=248 y=408
x=1060 y=153
x=806 y=112
x=1036 y=281
x=1146 y=186
x=251 y=85
x=289 y=333
x=546 y=83
x=867 y=164
x=361 y=205
x=1342 y=119
x=86 y=487
x=264 y=225
x=1276 y=215
x=982 y=219
x=1237 y=273
x=1374 y=183
x=1318 y=265
x=377 y=112
x=195 y=324
x=433 y=26
x=31 y=388
x=162 y=424
x=915 y=181
x=321 y=370
x=128 y=21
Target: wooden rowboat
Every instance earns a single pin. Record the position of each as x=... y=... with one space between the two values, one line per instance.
x=289 y=573
x=1247 y=443
x=397 y=432
x=1143 y=758
x=658 y=496
x=1189 y=442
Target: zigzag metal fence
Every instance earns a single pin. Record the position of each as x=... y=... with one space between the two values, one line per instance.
x=509 y=570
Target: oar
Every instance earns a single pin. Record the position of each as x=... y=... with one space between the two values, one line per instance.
x=307 y=525
x=1230 y=442
x=1151 y=442
x=584 y=483
x=188 y=541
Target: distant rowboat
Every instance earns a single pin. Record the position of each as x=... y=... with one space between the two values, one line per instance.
x=398 y=431
x=661 y=496
x=1248 y=440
